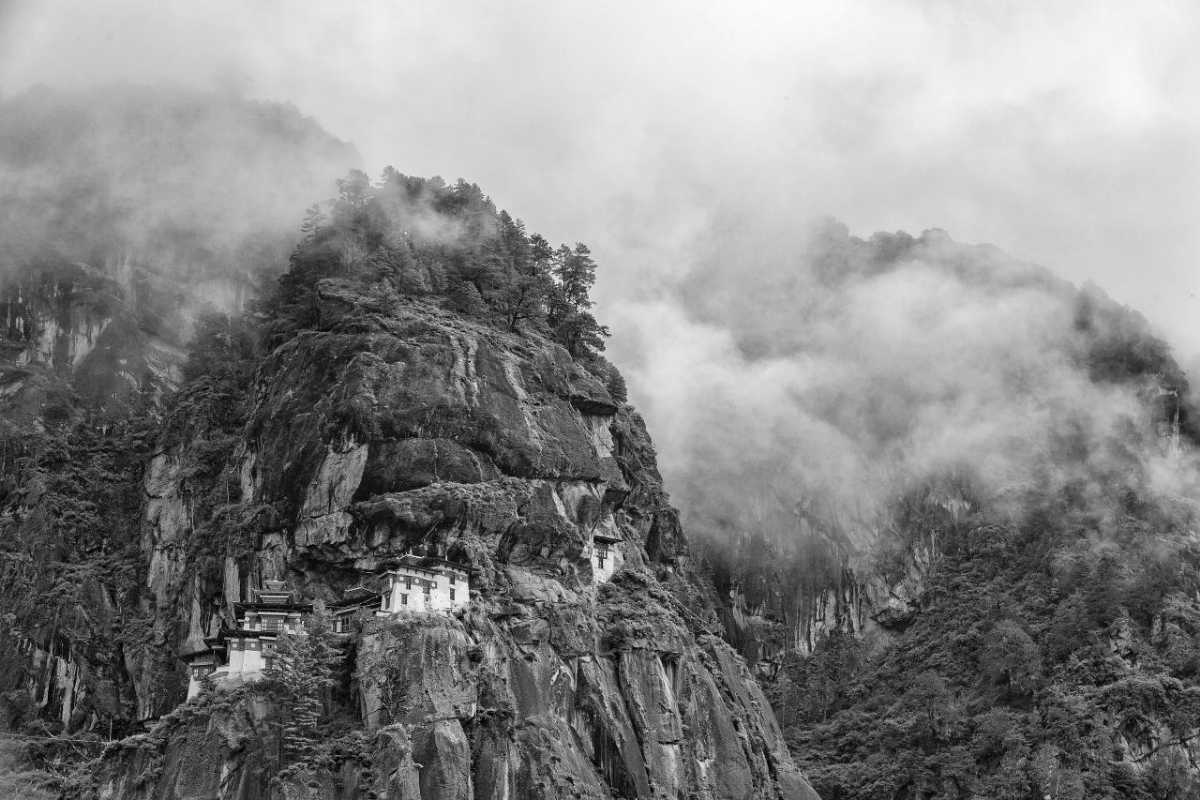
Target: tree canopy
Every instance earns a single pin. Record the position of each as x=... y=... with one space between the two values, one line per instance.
x=448 y=242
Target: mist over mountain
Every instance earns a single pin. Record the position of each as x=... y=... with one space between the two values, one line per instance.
x=859 y=366
x=126 y=211
x=205 y=407
x=949 y=502
x=186 y=185
x=942 y=501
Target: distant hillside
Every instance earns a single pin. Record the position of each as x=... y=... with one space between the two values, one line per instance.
x=960 y=542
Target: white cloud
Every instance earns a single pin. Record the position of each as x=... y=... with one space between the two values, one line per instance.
x=1066 y=133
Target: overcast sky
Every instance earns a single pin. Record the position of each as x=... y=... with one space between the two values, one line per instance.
x=1065 y=133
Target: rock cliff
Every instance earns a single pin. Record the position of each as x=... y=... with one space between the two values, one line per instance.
x=121 y=221
x=955 y=576
x=408 y=391
x=386 y=428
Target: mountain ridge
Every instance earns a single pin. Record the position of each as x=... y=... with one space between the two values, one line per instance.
x=425 y=376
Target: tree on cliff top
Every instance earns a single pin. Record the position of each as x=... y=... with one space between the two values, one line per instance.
x=573 y=325
x=447 y=242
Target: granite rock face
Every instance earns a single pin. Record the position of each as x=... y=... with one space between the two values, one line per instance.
x=106 y=265
x=387 y=430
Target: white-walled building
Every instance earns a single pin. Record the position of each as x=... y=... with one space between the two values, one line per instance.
x=357 y=601
x=423 y=583
x=203 y=663
x=604 y=555
x=244 y=653
x=413 y=584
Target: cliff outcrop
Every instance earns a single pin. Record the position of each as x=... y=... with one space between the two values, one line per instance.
x=424 y=380
x=384 y=430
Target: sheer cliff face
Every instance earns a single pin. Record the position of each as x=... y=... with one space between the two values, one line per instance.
x=395 y=425
x=120 y=218
x=135 y=513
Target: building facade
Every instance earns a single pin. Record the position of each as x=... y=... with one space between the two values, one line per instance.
x=413 y=583
x=604 y=555
x=244 y=653
x=423 y=583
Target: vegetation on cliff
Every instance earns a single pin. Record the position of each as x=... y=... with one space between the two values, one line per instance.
x=1054 y=652
x=424 y=375
x=1002 y=603
x=422 y=237
x=968 y=571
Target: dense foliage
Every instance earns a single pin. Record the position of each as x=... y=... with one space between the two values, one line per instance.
x=961 y=550
x=421 y=237
x=1053 y=656
x=301 y=677
x=76 y=446
x=1055 y=647
x=1055 y=650
x=70 y=569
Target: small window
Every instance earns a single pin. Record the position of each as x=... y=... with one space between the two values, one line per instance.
x=403 y=599
x=451 y=595
x=452 y=580
x=407 y=581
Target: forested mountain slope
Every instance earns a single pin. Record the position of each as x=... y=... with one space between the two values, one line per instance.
x=121 y=221
x=974 y=573
x=424 y=376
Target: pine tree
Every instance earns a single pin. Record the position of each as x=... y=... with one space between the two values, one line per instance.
x=354 y=190
x=314 y=220
x=466 y=299
x=573 y=325
x=526 y=284
x=576 y=272
x=302 y=672
x=579 y=332
x=616 y=386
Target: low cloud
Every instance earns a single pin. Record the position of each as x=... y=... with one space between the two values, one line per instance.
x=831 y=374
x=690 y=143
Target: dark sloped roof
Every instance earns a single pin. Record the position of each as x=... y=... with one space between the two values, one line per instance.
x=356 y=601
x=304 y=608
x=429 y=563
